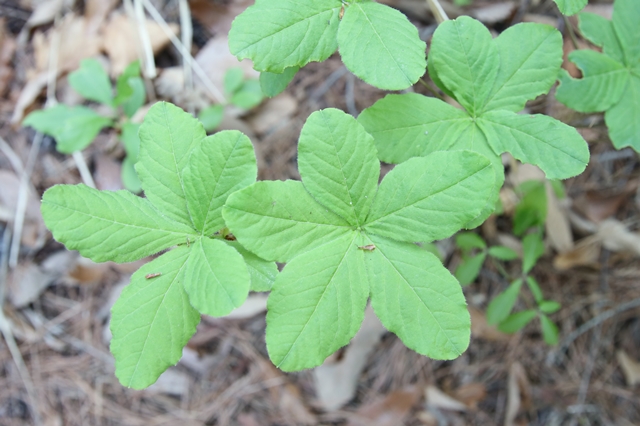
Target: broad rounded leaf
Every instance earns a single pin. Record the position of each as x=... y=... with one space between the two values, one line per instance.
x=380 y=45
x=432 y=197
x=556 y=148
x=92 y=82
x=626 y=15
x=152 y=321
x=263 y=274
x=317 y=304
x=570 y=7
x=416 y=298
x=273 y=84
x=288 y=33
x=623 y=119
x=338 y=164
x=466 y=61
x=219 y=166
x=277 y=220
x=216 y=277
x=105 y=225
x=167 y=137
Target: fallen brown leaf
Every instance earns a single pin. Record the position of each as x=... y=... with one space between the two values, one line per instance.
x=438 y=399
x=630 y=368
x=7 y=48
x=585 y=253
x=387 y=411
x=518 y=393
x=272 y=113
x=494 y=13
x=471 y=394
x=481 y=329
x=33 y=230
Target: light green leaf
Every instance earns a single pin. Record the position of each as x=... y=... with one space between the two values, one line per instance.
x=292 y=34
x=216 y=277
x=570 y=7
x=317 y=304
x=500 y=307
x=532 y=209
x=211 y=117
x=600 y=32
x=152 y=321
x=277 y=220
x=130 y=139
x=603 y=78
x=137 y=98
x=129 y=176
x=105 y=225
x=249 y=95
x=425 y=198
x=549 y=330
x=273 y=84
x=469 y=269
x=470 y=240
x=123 y=89
x=167 y=137
x=466 y=60
x=530 y=59
x=338 y=164
x=416 y=298
x=532 y=249
x=549 y=306
x=623 y=119
x=518 y=321
x=380 y=45
x=263 y=274
x=534 y=287
x=503 y=253
x=92 y=82
x=556 y=148
x=233 y=79
x=73 y=128
x=219 y=166
x=626 y=15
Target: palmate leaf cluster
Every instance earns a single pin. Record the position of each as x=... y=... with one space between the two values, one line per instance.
x=611 y=78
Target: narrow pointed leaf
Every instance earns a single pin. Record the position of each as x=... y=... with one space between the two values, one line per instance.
x=105 y=225
x=530 y=58
x=532 y=249
x=317 y=304
x=550 y=330
x=219 y=166
x=152 y=321
x=600 y=32
x=603 y=78
x=501 y=305
x=92 y=82
x=167 y=137
x=570 y=7
x=466 y=60
x=291 y=33
x=273 y=84
x=380 y=45
x=425 y=198
x=556 y=148
x=416 y=298
x=516 y=322
x=277 y=220
x=623 y=119
x=263 y=274
x=469 y=268
x=338 y=164
x=216 y=277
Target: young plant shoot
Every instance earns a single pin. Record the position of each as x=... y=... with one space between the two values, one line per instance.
x=347 y=240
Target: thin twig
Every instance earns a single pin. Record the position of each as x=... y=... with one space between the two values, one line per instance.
x=438 y=11
x=431 y=90
x=219 y=97
x=572 y=34
x=85 y=174
x=149 y=68
x=186 y=34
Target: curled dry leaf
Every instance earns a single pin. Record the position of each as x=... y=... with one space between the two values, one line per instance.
x=585 y=253
x=615 y=236
x=494 y=13
x=438 y=399
x=630 y=368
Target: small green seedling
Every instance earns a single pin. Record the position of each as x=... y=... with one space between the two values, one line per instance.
x=492 y=79
x=186 y=178
x=74 y=128
x=474 y=253
x=611 y=79
x=345 y=239
x=376 y=42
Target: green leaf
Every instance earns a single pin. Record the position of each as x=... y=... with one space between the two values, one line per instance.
x=470 y=240
x=555 y=147
x=216 y=277
x=263 y=274
x=233 y=79
x=211 y=117
x=124 y=90
x=129 y=176
x=466 y=60
x=502 y=253
x=532 y=209
x=602 y=77
x=130 y=139
x=273 y=84
x=152 y=321
x=220 y=165
x=416 y=298
x=549 y=330
x=292 y=34
x=469 y=269
x=249 y=95
x=73 y=128
x=92 y=82
x=426 y=199
x=380 y=45
x=570 y=7
x=167 y=137
x=277 y=220
x=518 y=321
x=137 y=98
x=532 y=249
x=317 y=304
x=623 y=119
x=626 y=15
x=534 y=287
x=500 y=307
x=338 y=164
x=600 y=32
x=549 y=306
x=105 y=225
x=530 y=67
